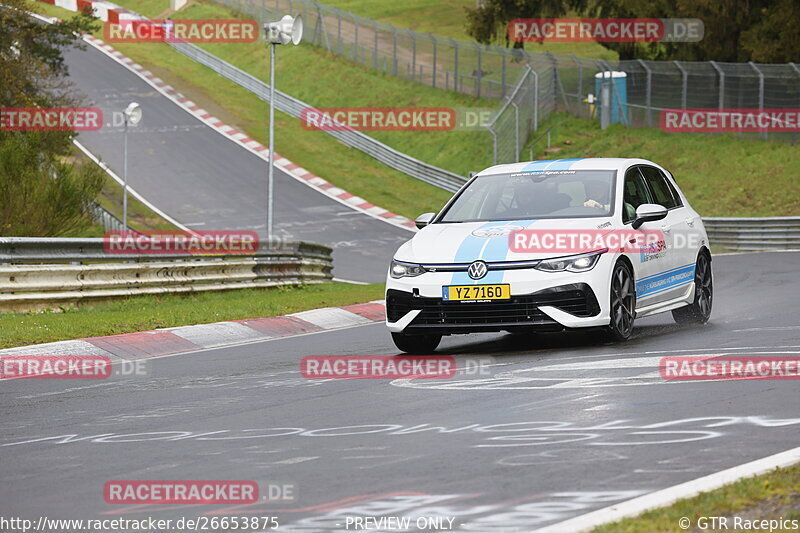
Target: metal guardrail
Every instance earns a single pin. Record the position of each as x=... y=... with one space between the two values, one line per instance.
x=757 y=233
x=39 y=273
x=415 y=168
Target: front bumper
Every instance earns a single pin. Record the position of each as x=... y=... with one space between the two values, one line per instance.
x=548 y=301
x=551 y=309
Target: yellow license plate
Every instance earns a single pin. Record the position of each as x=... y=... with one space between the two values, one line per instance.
x=471 y=293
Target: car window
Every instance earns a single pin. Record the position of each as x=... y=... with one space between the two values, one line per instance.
x=634 y=194
x=533 y=195
x=662 y=190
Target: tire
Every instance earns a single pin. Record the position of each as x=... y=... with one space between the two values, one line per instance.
x=623 y=303
x=416 y=344
x=699 y=311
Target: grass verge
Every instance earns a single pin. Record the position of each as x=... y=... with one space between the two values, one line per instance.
x=770 y=496
x=721 y=175
x=141 y=313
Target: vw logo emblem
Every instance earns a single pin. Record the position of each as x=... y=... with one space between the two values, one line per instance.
x=477 y=270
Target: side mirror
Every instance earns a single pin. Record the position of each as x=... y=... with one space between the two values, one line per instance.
x=424 y=219
x=648 y=213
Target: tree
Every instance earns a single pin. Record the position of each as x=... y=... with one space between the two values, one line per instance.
x=735 y=30
x=488 y=22
x=42 y=192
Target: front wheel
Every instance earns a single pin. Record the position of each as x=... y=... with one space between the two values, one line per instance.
x=699 y=311
x=416 y=344
x=623 y=303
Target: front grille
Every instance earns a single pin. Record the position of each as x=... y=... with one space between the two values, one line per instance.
x=523 y=310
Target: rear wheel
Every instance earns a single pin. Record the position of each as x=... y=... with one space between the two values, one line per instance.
x=623 y=303
x=416 y=344
x=699 y=311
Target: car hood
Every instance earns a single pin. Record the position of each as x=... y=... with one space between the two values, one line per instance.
x=467 y=241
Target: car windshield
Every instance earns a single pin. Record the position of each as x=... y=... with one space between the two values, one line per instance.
x=542 y=194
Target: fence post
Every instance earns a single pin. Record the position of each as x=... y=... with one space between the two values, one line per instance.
x=648 y=98
x=413 y=54
x=479 y=72
x=797 y=69
x=535 y=99
x=394 y=49
x=721 y=83
x=684 y=83
x=516 y=132
x=455 y=69
x=375 y=51
x=503 y=82
x=580 y=83
x=433 y=38
x=355 y=44
x=764 y=133
x=494 y=144
x=339 y=31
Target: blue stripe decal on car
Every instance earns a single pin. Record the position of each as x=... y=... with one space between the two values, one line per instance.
x=665 y=280
x=555 y=164
x=471 y=248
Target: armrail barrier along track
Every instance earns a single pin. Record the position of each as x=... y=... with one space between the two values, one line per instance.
x=757 y=233
x=38 y=273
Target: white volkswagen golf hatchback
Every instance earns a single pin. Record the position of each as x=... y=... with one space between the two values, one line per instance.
x=551 y=245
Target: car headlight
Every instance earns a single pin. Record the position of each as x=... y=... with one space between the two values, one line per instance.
x=405 y=270
x=573 y=263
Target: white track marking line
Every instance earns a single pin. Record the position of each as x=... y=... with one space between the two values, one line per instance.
x=670 y=495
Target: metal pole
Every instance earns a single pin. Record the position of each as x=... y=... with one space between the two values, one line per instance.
x=375 y=49
x=760 y=91
x=649 y=92
x=580 y=83
x=125 y=177
x=270 y=178
x=535 y=99
x=684 y=82
x=516 y=132
x=434 y=58
x=721 y=84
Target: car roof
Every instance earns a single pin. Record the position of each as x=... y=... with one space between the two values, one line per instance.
x=586 y=163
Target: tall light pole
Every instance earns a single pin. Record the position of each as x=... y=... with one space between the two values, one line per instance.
x=132 y=114
x=285 y=31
